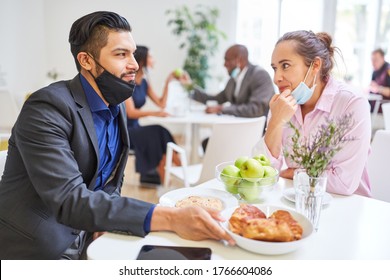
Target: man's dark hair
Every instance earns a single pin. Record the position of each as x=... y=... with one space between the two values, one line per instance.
x=90 y=32
x=380 y=51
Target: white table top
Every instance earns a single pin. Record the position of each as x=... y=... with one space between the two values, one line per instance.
x=374 y=97
x=195 y=117
x=351 y=227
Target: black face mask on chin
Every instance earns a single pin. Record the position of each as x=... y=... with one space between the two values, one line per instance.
x=113 y=89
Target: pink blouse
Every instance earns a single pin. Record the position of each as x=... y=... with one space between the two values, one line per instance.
x=347 y=173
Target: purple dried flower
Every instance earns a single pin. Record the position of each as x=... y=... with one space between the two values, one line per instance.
x=316 y=152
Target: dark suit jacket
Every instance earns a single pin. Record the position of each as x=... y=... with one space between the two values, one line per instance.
x=253 y=97
x=46 y=192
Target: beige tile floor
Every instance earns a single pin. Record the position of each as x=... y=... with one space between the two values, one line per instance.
x=132 y=187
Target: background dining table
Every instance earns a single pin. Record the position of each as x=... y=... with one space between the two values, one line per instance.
x=351 y=228
x=193 y=119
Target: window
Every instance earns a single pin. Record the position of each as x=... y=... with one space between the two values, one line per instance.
x=357 y=27
x=355 y=37
x=259 y=27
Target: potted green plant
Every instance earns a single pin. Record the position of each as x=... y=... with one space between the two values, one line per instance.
x=200 y=36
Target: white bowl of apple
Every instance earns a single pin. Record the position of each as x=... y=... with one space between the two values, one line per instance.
x=248 y=177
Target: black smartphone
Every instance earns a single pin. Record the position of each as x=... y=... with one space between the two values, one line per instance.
x=155 y=252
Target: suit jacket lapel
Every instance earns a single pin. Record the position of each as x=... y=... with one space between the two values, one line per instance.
x=84 y=111
x=231 y=85
x=123 y=126
x=125 y=146
x=245 y=83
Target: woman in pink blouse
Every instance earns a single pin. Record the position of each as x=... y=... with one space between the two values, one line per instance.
x=302 y=63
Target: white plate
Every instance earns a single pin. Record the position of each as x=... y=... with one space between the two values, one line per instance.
x=266 y=247
x=170 y=198
x=289 y=194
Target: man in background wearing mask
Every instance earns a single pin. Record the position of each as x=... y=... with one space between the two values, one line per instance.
x=67 y=153
x=248 y=90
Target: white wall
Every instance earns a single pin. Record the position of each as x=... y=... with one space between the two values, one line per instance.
x=34 y=37
x=22 y=48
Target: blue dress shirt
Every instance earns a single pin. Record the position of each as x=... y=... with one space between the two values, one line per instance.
x=108 y=134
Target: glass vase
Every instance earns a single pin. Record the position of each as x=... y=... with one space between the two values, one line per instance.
x=309 y=193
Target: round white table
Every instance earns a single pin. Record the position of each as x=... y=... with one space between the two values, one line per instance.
x=193 y=119
x=351 y=227
x=378 y=100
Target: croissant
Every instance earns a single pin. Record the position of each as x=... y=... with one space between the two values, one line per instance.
x=282 y=215
x=242 y=215
x=250 y=222
x=268 y=230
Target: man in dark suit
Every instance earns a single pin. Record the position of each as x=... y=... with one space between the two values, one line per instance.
x=248 y=90
x=67 y=155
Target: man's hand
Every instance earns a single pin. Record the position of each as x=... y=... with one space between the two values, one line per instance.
x=384 y=91
x=214 y=109
x=194 y=223
x=97 y=234
x=374 y=87
x=186 y=80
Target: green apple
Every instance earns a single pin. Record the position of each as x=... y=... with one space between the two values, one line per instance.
x=269 y=171
x=249 y=191
x=263 y=160
x=252 y=170
x=239 y=161
x=178 y=72
x=230 y=175
x=233 y=189
x=269 y=176
x=244 y=184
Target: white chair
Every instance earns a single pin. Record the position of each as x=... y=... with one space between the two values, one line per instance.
x=3 y=156
x=386 y=115
x=228 y=141
x=378 y=165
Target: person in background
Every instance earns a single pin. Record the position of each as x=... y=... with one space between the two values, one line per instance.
x=148 y=142
x=248 y=90
x=380 y=81
x=302 y=63
x=68 y=151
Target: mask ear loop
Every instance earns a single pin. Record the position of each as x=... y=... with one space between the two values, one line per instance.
x=97 y=64
x=314 y=82
x=307 y=73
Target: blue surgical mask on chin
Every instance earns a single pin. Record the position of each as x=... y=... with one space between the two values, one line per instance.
x=235 y=72
x=302 y=93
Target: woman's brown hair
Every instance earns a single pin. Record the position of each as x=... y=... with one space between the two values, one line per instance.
x=310 y=45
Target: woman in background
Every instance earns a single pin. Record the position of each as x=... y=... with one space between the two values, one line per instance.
x=148 y=142
x=302 y=63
